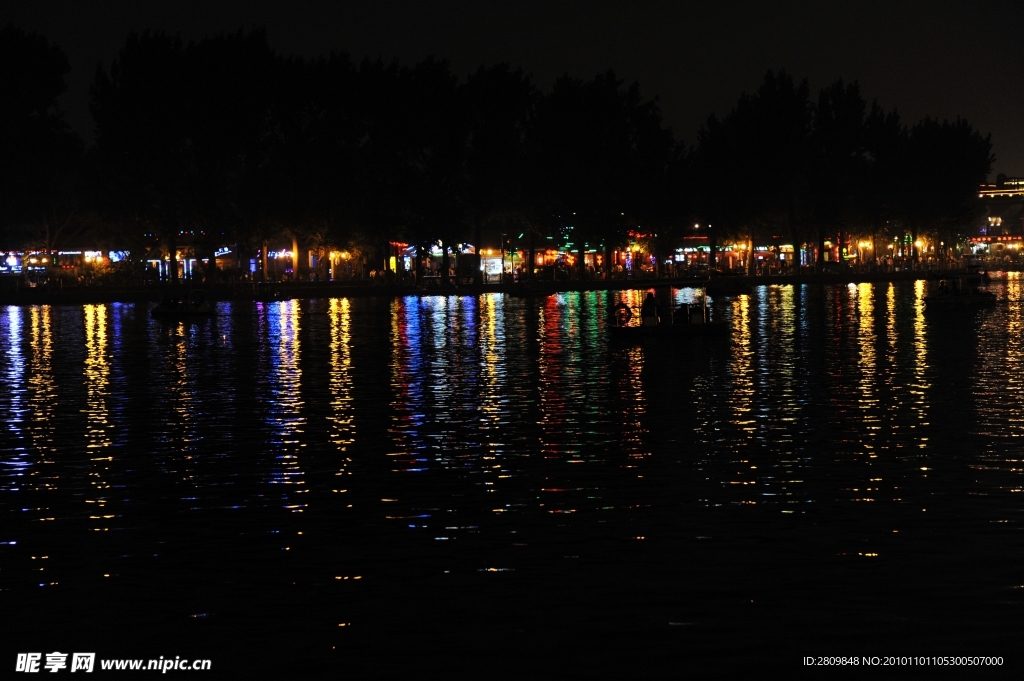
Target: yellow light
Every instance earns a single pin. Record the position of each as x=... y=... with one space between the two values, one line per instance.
x=918 y=243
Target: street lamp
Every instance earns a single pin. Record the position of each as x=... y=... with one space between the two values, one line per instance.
x=501 y=276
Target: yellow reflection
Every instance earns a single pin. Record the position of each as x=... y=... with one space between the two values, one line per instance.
x=97 y=377
x=492 y=349
x=1015 y=337
x=741 y=362
x=867 y=400
x=782 y=374
x=182 y=396
x=890 y=324
x=921 y=386
x=1014 y=295
x=43 y=388
x=343 y=429
x=762 y=362
x=97 y=381
x=997 y=381
x=634 y=408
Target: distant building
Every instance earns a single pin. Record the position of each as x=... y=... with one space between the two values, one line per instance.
x=1004 y=207
x=1001 y=235
x=1004 y=188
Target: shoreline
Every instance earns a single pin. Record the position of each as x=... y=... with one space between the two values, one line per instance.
x=152 y=293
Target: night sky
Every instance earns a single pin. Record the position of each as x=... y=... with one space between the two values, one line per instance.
x=945 y=59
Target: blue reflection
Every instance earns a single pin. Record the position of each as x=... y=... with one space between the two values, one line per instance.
x=15 y=459
x=285 y=416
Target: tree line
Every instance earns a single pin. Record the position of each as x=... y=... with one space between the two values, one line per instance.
x=226 y=141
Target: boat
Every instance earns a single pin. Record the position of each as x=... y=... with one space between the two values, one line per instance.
x=638 y=332
x=977 y=275
x=188 y=304
x=688 y=321
x=958 y=294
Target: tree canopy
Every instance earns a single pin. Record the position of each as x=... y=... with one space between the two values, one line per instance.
x=39 y=154
x=224 y=140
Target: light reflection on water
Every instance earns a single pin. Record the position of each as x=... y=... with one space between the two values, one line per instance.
x=475 y=424
x=17 y=460
x=43 y=391
x=98 y=426
x=284 y=402
x=342 y=415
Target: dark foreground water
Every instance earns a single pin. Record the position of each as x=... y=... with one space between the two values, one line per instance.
x=484 y=486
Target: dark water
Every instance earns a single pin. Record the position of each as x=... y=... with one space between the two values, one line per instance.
x=485 y=486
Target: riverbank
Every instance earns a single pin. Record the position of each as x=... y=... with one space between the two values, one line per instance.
x=150 y=293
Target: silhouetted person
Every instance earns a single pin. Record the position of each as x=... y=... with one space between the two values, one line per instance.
x=649 y=311
x=621 y=314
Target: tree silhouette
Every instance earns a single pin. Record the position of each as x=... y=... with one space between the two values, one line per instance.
x=39 y=154
x=179 y=130
x=500 y=102
x=224 y=140
x=839 y=161
x=945 y=163
x=601 y=158
x=753 y=165
x=885 y=141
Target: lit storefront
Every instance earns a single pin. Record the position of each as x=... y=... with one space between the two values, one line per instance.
x=41 y=262
x=1004 y=247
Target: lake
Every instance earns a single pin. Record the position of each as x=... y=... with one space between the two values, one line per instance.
x=486 y=486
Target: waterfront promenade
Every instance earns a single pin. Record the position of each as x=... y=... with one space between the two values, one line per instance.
x=17 y=293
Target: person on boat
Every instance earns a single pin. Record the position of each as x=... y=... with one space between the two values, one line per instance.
x=169 y=303
x=621 y=314
x=649 y=311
